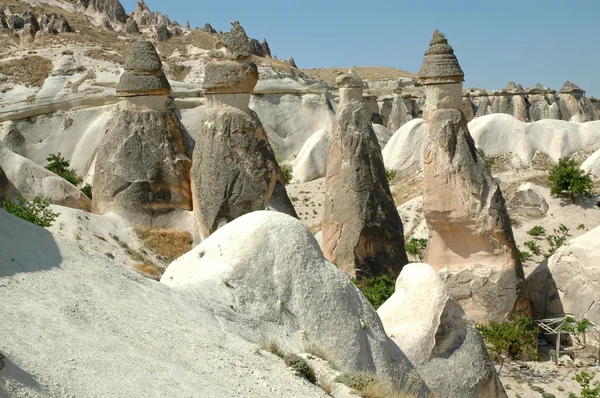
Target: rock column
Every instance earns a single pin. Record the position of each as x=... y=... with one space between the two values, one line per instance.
x=142 y=171
x=470 y=242
x=362 y=231
x=234 y=169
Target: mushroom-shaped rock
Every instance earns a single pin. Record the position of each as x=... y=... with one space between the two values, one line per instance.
x=143 y=72
x=288 y=292
x=440 y=65
x=434 y=332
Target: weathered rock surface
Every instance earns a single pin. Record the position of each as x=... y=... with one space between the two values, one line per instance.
x=436 y=335
x=290 y=292
x=112 y=9
x=528 y=201
x=567 y=283
x=234 y=169
x=403 y=111
x=131 y=27
x=4 y=187
x=311 y=162
x=30 y=181
x=362 y=231
x=142 y=171
x=470 y=237
x=592 y=165
x=404 y=151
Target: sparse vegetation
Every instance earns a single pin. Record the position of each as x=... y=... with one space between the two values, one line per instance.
x=87 y=190
x=557 y=239
x=390 y=174
x=105 y=56
x=319 y=352
x=301 y=367
x=368 y=385
x=577 y=329
x=31 y=70
x=36 y=211
x=537 y=231
x=511 y=339
x=376 y=290
x=415 y=247
x=272 y=346
x=60 y=166
x=167 y=244
x=525 y=256
x=567 y=178
x=180 y=72
x=149 y=270
x=287 y=170
x=531 y=245
x=488 y=160
x=588 y=390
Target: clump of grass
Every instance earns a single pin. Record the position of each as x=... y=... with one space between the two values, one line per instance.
x=368 y=385
x=167 y=244
x=30 y=70
x=148 y=270
x=302 y=368
x=319 y=352
x=327 y=385
x=272 y=346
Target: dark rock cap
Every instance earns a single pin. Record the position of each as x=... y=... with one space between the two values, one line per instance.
x=569 y=87
x=440 y=65
x=349 y=80
x=143 y=72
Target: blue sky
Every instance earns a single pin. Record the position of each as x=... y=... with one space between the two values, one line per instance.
x=527 y=41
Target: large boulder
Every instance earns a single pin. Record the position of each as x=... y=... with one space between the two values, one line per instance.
x=434 y=332
x=592 y=165
x=528 y=201
x=404 y=151
x=362 y=231
x=290 y=292
x=311 y=162
x=568 y=282
x=30 y=181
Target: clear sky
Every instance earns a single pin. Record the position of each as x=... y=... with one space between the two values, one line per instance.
x=526 y=41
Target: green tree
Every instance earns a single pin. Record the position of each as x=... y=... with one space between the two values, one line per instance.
x=376 y=290
x=567 y=178
x=36 y=211
x=585 y=381
x=60 y=166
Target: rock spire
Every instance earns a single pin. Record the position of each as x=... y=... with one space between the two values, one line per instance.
x=143 y=72
x=440 y=65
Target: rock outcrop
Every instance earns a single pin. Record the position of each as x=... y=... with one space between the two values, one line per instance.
x=404 y=110
x=4 y=187
x=142 y=171
x=436 y=335
x=528 y=202
x=234 y=168
x=592 y=165
x=131 y=27
x=470 y=236
x=30 y=181
x=567 y=283
x=311 y=162
x=404 y=151
x=573 y=104
x=289 y=292
x=362 y=231
x=111 y=9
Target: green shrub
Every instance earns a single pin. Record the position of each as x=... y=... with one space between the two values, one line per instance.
x=557 y=239
x=525 y=256
x=376 y=290
x=585 y=381
x=60 y=166
x=511 y=339
x=357 y=380
x=531 y=245
x=567 y=178
x=36 y=211
x=415 y=247
x=301 y=367
x=390 y=174
x=488 y=160
x=287 y=171
x=537 y=231
x=87 y=190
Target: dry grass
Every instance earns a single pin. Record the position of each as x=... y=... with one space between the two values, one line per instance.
x=365 y=72
x=272 y=346
x=319 y=352
x=328 y=386
x=105 y=56
x=31 y=70
x=147 y=270
x=196 y=38
x=167 y=244
x=368 y=385
x=180 y=72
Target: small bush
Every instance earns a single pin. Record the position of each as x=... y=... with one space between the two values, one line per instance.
x=167 y=244
x=531 y=245
x=357 y=380
x=287 y=171
x=390 y=174
x=60 y=166
x=488 y=160
x=301 y=367
x=511 y=339
x=557 y=239
x=537 y=231
x=273 y=347
x=525 y=256
x=588 y=390
x=415 y=247
x=376 y=290
x=36 y=211
x=87 y=190
x=567 y=178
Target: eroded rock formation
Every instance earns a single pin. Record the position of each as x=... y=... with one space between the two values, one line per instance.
x=436 y=335
x=362 y=231
x=4 y=187
x=470 y=237
x=142 y=171
x=234 y=168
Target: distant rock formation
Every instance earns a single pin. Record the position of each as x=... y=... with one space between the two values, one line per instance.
x=234 y=169
x=209 y=29
x=266 y=48
x=362 y=231
x=403 y=110
x=142 y=171
x=291 y=62
x=434 y=332
x=470 y=240
x=157 y=22
x=131 y=27
x=111 y=9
